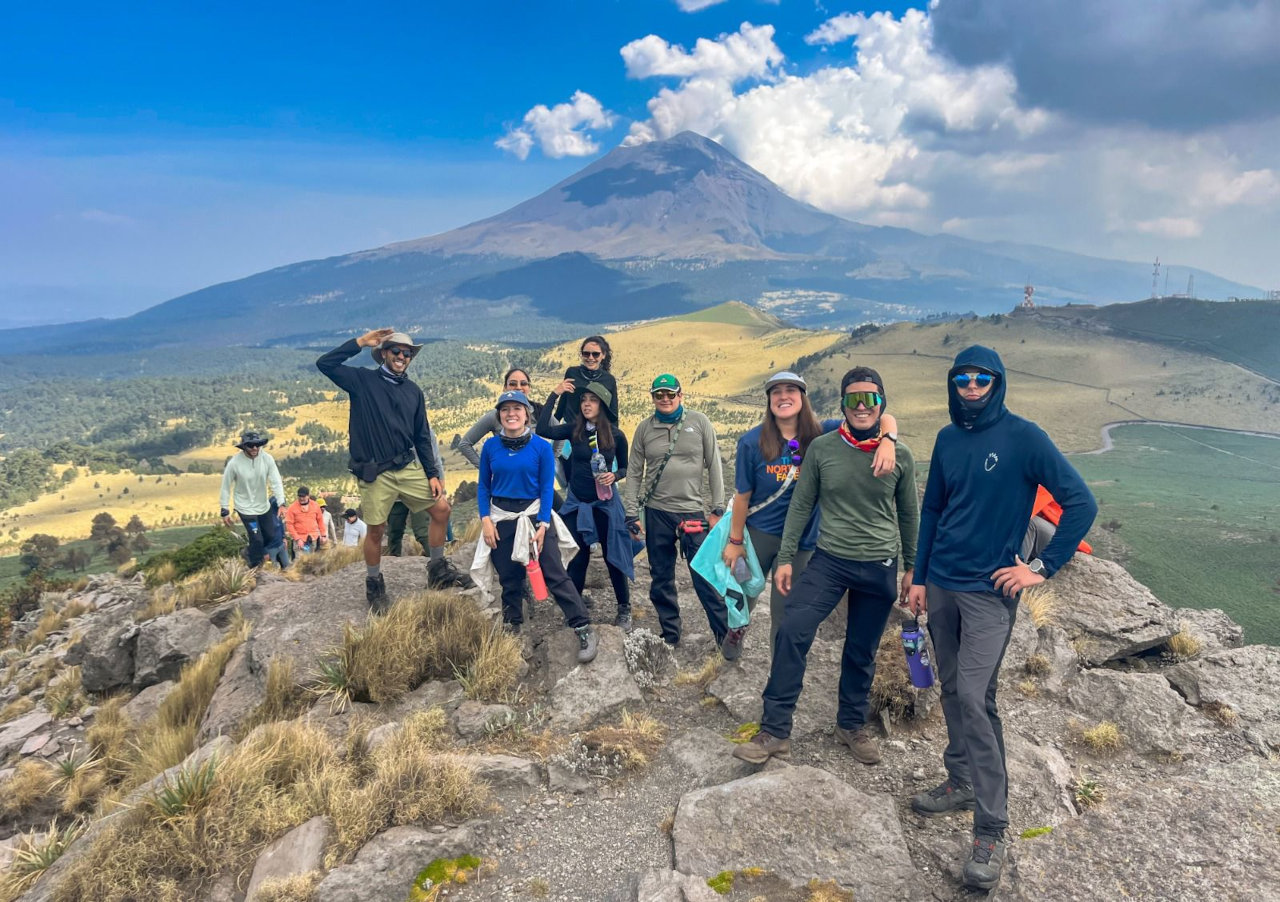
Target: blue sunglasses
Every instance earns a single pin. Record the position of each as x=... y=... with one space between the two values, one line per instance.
x=964 y=380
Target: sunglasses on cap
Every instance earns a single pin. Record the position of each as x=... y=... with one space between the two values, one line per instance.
x=592 y=354
x=400 y=352
x=663 y=394
x=964 y=380
x=793 y=446
x=867 y=399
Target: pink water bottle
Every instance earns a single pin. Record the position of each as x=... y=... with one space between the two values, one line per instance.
x=536 y=580
x=598 y=468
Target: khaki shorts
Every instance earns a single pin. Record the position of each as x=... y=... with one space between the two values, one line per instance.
x=409 y=484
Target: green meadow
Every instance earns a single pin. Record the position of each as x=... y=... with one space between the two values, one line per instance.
x=1197 y=516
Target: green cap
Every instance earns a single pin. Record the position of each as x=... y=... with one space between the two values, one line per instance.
x=665 y=381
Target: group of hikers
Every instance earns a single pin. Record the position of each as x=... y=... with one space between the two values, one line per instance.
x=828 y=508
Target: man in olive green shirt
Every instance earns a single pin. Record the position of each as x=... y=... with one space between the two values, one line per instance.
x=670 y=451
x=867 y=523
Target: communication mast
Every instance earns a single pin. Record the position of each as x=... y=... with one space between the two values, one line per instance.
x=1155 y=279
x=1027 y=291
x=1191 y=286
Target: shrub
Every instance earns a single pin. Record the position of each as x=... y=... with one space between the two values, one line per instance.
x=218 y=543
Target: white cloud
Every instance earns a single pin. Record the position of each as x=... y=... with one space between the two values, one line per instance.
x=692 y=6
x=559 y=131
x=1170 y=227
x=748 y=53
x=837 y=29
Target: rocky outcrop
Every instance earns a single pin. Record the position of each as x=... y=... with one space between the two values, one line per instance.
x=106 y=657
x=299 y=851
x=1236 y=685
x=166 y=643
x=795 y=822
x=1106 y=613
x=15 y=734
x=582 y=694
x=1151 y=717
x=1212 y=627
x=387 y=865
x=704 y=758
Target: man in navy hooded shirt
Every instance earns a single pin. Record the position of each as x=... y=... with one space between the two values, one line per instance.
x=978 y=499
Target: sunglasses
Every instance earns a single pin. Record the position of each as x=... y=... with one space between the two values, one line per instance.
x=592 y=354
x=399 y=352
x=793 y=445
x=867 y=399
x=518 y=383
x=254 y=445
x=964 y=380
x=663 y=395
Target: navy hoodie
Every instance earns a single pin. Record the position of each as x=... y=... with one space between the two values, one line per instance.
x=982 y=487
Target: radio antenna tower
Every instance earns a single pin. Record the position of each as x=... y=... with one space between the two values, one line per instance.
x=1191 y=286
x=1155 y=279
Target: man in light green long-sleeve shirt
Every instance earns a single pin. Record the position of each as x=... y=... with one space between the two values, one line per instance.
x=251 y=482
x=868 y=522
x=670 y=452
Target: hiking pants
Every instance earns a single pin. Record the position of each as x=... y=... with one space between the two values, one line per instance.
x=766 y=547
x=396 y=521
x=261 y=530
x=872 y=588
x=512 y=576
x=660 y=540
x=970 y=632
x=578 y=566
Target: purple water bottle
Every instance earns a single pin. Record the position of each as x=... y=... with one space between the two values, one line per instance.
x=599 y=466
x=917 y=651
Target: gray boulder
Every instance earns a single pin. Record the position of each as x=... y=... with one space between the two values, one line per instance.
x=738 y=687
x=509 y=777
x=166 y=643
x=143 y=706
x=106 y=657
x=239 y=693
x=1064 y=663
x=388 y=864
x=662 y=885
x=798 y=823
x=582 y=694
x=1200 y=837
x=473 y=719
x=1241 y=679
x=703 y=758
x=299 y=851
x=1039 y=783
x=1106 y=613
x=15 y=733
x=1151 y=716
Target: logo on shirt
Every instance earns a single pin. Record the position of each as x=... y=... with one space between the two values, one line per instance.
x=779 y=471
x=992 y=460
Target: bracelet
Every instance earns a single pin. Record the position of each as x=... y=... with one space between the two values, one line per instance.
x=733 y=541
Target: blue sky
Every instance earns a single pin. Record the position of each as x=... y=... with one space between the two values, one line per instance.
x=147 y=153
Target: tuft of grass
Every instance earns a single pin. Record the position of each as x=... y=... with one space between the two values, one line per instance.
x=1183 y=645
x=108 y=737
x=891 y=688
x=36 y=854
x=1103 y=738
x=721 y=883
x=1223 y=713
x=37 y=677
x=827 y=891
x=185 y=792
x=472 y=532
x=1038 y=665
x=228 y=578
x=162 y=574
x=1089 y=792
x=632 y=742
x=328 y=561
x=65 y=696
x=76 y=763
x=298 y=888
x=1028 y=688
x=1033 y=832
x=16 y=708
x=704 y=675
x=30 y=784
x=284 y=698
x=429 y=635
x=538 y=887
x=1041 y=601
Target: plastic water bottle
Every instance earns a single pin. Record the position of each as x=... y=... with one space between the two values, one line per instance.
x=741 y=570
x=917 y=652
x=537 y=582
x=598 y=468
x=253 y=528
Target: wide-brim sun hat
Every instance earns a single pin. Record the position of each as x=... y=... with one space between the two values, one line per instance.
x=252 y=437
x=518 y=397
x=606 y=399
x=395 y=338
x=786 y=377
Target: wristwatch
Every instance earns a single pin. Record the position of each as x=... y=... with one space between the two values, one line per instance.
x=717 y=511
x=1036 y=566
x=891 y=436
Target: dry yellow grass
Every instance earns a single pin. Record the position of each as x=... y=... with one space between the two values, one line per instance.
x=704 y=675
x=1183 y=645
x=298 y=888
x=1041 y=601
x=16 y=708
x=30 y=784
x=1103 y=738
x=633 y=741
x=327 y=561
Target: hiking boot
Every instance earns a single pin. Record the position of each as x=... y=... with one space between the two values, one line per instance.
x=623 y=620
x=731 y=646
x=762 y=747
x=859 y=741
x=951 y=795
x=587 y=643
x=511 y=629
x=986 y=861
x=441 y=574
x=375 y=592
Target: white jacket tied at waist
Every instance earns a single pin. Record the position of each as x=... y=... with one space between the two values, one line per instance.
x=482 y=570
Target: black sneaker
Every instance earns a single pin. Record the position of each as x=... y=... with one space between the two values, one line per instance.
x=512 y=629
x=986 y=861
x=623 y=620
x=951 y=795
x=731 y=647
x=587 y=644
x=441 y=574
x=375 y=592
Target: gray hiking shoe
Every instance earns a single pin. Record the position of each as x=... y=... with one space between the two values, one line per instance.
x=731 y=647
x=441 y=574
x=762 y=747
x=375 y=592
x=864 y=748
x=986 y=861
x=950 y=795
x=587 y=644
x=623 y=621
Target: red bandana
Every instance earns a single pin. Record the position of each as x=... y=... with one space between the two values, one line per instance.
x=867 y=445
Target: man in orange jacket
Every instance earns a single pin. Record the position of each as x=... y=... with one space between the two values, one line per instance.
x=304 y=519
